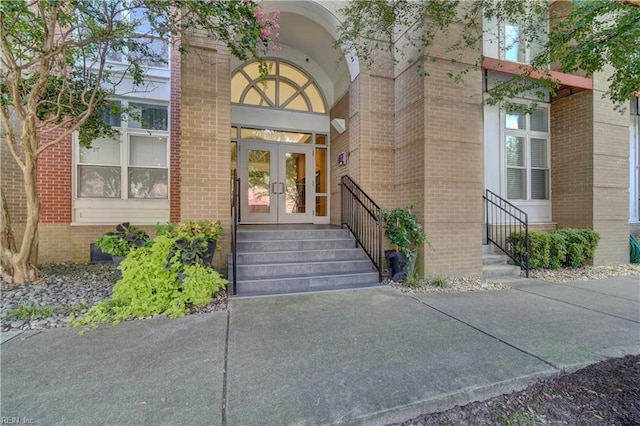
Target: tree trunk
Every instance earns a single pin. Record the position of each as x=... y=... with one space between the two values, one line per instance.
x=19 y=266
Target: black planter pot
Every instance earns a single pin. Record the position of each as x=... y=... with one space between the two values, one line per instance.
x=117 y=260
x=211 y=248
x=397 y=266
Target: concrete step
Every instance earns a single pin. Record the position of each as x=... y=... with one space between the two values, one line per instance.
x=301 y=269
x=494 y=259
x=295 y=245
x=499 y=271
x=325 y=282
x=292 y=234
x=274 y=257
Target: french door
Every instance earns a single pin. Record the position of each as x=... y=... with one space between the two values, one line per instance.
x=276 y=182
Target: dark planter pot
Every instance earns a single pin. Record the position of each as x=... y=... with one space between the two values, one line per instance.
x=117 y=260
x=98 y=256
x=397 y=267
x=211 y=248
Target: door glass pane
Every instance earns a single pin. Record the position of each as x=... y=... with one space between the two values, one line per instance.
x=321 y=206
x=295 y=182
x=321 y=171
x=515 y=151
x=258 y=181
x=516 y=184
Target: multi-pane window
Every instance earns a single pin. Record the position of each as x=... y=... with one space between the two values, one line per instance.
x=516 y=48
x=527 y=154
x=133 y=165
x=157 y=54
x=285 y=87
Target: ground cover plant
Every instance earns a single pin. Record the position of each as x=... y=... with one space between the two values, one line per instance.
x=167 y=277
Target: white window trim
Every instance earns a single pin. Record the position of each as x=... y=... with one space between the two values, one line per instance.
x=108 y=211
x=539 y=210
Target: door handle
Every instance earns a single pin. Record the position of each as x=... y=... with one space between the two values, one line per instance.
x=283 y=187
x=273 y=188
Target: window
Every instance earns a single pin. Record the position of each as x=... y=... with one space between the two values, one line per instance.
x=285 y=87
x=527 y=154
x=157 y=49
x=133 y=166
x=518 y=47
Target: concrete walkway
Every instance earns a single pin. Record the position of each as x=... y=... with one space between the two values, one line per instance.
x=356 y=357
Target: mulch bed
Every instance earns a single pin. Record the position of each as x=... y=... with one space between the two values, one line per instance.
x=606 y=393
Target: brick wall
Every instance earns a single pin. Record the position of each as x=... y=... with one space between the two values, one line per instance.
x=205 y=149
x=610 y=177
x=54 y=181
x=439 y=161
x=175 y=136
x=590 y=150
x=11 y=180
x=572 y=160
x=339 y=143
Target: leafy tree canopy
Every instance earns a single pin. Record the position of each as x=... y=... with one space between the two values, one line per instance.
x=61 y=61
x=586 y=36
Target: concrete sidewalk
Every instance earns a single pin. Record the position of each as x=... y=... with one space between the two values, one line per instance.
x=358 y=357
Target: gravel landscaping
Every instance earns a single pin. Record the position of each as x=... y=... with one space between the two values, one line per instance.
x=65 y=289
x=70 y=289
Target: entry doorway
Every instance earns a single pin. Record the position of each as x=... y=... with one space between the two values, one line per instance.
x=277 y=182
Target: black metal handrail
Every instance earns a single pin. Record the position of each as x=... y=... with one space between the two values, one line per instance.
x=235 y=215
x=363 y=217
x=502 y=220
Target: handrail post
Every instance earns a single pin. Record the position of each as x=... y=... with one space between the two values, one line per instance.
x=510 y=219
x=235 y=205
x=363 y=217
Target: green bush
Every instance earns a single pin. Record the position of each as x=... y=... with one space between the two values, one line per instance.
x=553 y=250
x=155 y=280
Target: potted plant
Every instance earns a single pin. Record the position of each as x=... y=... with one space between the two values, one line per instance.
x=119 y=243
x=405 y=234
x=208 y=231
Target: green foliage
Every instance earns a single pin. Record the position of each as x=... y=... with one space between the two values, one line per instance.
x=155 y=282
x=209 y=230
x=439 y=281
x=589 y=36
x=403 y=231
x=634 y=249
x=561 y=248
x=413 y=280
x=123 y=240
x=31 y=311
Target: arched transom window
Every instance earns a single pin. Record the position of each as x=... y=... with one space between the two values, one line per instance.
x=285 y=87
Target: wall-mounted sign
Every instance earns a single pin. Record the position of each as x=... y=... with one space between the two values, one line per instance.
x=342 y=158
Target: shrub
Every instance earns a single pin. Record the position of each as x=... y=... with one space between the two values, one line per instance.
x=564 y=247
x=156 y=280
x=120 y=242
x=403 y=231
